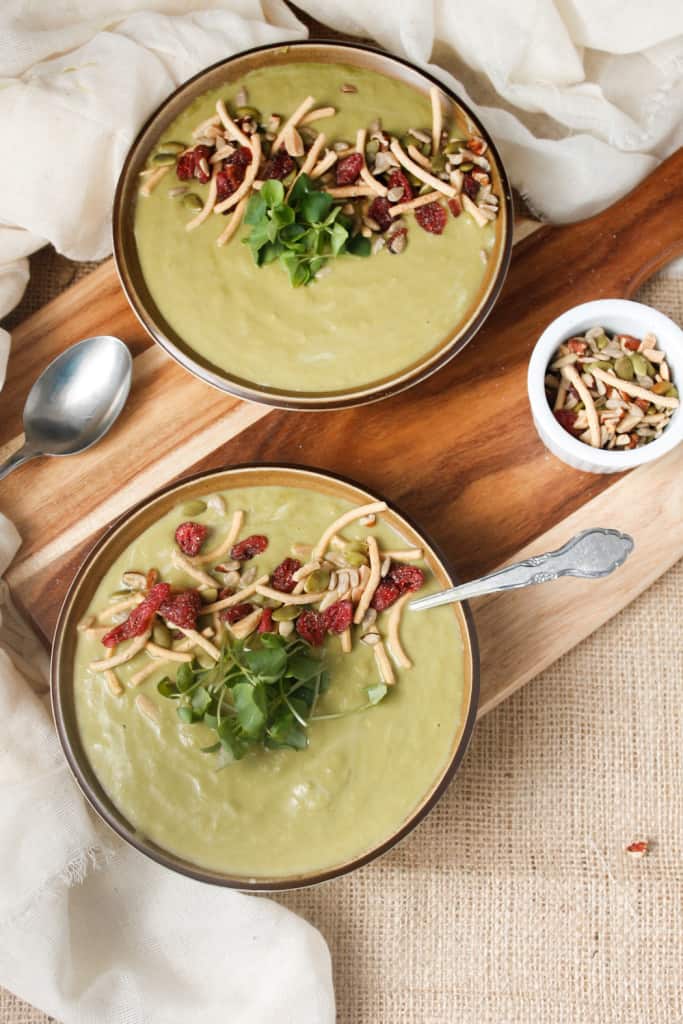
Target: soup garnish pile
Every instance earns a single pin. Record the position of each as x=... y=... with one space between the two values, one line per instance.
x=244 y=650
x=308 y=199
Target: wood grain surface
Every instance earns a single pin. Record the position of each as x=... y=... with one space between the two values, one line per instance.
x=458 y=453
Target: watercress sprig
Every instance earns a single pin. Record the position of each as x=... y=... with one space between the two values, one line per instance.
x=302 y=232
x=258 y=694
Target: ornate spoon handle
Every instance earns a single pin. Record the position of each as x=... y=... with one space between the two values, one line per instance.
x=591 y=554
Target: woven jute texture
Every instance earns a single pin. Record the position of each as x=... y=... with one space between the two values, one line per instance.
x=515 y=901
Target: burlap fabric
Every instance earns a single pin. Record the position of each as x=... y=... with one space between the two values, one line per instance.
x=515 y=901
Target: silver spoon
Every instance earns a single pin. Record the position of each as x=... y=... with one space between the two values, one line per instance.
x=590 y=554
x=75 y=400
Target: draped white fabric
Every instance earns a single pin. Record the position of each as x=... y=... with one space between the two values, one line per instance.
x=584 y=99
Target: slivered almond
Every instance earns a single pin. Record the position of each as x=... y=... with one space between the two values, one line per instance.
x=208 y=206
x=344 y=520
x=113 y=661
x=234 y=222
x=238 y=598
x=413 y=204
x=233 y=129
x=419 y=172
x=293 y=121
x=393 y=627
x=383 y=664
x=317 y=115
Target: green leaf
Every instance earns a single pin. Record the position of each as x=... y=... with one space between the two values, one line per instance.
x=231 y=738
x=166 y=688
x=184 y=676
x=291 y=234
x=283 y=216
x=185 y=714
x=267 y=662
x=304 y=667
x=250 y=704
x=302 y=187
x=286 y=732
x=201 y=699
x=377 y=693
x=338 y=238
x=358 y=246
x=256 y=209
x=316 y=206
x=270 y=252
x=273 y=192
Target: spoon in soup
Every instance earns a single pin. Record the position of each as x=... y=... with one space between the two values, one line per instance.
x=75 y=401
x=591 y=554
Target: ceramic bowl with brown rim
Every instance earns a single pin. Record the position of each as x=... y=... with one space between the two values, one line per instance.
x=364 y=327
x=278 y=818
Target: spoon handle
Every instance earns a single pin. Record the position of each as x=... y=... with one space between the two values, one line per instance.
x=17 y=459
x=590 y=554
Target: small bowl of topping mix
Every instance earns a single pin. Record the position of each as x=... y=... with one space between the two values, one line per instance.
x=603 y=385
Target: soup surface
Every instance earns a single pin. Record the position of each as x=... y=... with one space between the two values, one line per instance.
x=365 y=319
x=276 y=812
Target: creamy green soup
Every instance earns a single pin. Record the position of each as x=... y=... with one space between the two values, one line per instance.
x=368 y=318
x=276 y=812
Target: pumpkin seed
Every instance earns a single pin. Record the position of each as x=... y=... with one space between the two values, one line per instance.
x=171 y=147
x=317 y=581
x=163 y=159
x=600 y=364
x=161 y=635
x=209 y=594
x=641 y=365
x=355 y=558
x=134 y=580
x=192 y=202
x=602 y=341
x=672 y=392
x=287 y=612
x=193 y=508
x=466 y=166
x=372 y=147
x=248 y=112
x=624 y=368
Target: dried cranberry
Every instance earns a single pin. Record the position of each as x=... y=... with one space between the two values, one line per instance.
x=348 y=168
x=182 y=609
x=139 y=619
x=185 y=166
x=266 y=623
x=406 y=577
x=279 y=166
x=385 y=595
x=229 y=179
x=397 y=179
x=190 y=536
x=188 y=164
x=566 y=418
x=236 y=613
x=338 y=616
x=311 y=627
x=454 y=206
x=379 y=211
x=283 y=575
x=432 y=218
x=470 y=187
x=250 y=546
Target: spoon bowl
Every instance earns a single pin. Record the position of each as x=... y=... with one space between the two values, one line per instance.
x=76 y=400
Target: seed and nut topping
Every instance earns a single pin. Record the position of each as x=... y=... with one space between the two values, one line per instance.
x=610 y=390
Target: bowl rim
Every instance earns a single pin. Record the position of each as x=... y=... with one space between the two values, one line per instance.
x=283 y=398
x=560 y=328
x=177 y=863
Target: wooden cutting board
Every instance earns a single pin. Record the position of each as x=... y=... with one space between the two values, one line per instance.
x=458 y=453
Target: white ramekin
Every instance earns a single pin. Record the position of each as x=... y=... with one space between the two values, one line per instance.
x=616 y=316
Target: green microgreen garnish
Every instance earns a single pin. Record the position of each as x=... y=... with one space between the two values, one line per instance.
x=302 y=232
x=260 y=693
